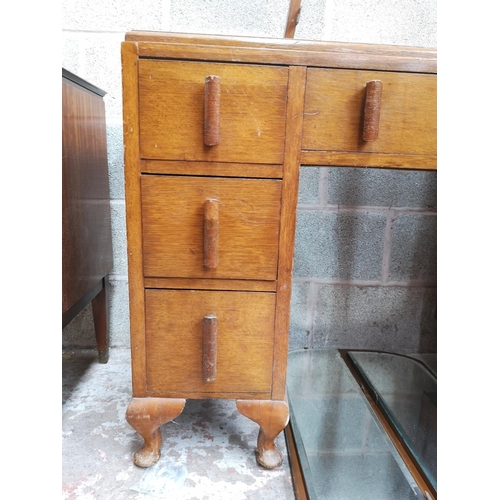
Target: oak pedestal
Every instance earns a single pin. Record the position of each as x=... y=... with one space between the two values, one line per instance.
x=215 y=130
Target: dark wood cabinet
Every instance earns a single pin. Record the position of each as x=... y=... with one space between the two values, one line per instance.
x=86 y=219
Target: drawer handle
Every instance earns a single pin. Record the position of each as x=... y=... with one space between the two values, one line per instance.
x=212 y=111
x=373 y=104
x=211 y=234
x=209 y=347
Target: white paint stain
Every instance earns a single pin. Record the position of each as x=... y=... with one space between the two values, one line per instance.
x=200 y=451
x=122 y=476
x=164 y=480
x=82 y=490
x=98 y=432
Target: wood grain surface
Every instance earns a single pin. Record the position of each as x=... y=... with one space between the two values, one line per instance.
x=295 y=103
x=173 y=222
x=272 y=417
x=375 y=160
x=146 y=415
x=174 y=331
x=86 y=219
x=251 y=117
x=271 y=118
x=334 y=104
x=285 y=51
x=133 y=217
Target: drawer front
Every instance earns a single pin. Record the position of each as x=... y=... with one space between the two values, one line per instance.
x=173 y=215
x=243 y=340
x=251 y=113
x=334 y=112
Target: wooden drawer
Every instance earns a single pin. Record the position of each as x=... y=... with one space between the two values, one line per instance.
x=174 y=341
x=252 y=111
x=173 y=209
x=334 y=112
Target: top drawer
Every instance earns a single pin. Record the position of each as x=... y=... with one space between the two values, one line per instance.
x=252 y=111
x=334 y=112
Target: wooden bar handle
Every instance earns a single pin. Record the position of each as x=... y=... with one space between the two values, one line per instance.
x=211 y=234
x=373 y=104
x=212 y=111
x=209 y=348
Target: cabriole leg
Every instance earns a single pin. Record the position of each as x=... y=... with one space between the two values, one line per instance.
x=272 y=417
x=146 y=415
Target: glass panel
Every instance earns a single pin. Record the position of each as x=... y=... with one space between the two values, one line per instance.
x=429 y=360
x=407 y=392
x=342 y=450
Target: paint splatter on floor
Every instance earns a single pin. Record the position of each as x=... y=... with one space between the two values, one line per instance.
x=208 y=451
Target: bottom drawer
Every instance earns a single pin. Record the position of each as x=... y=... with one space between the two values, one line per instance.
x=174 y=341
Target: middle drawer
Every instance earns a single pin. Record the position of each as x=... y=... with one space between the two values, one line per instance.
x=173 y=221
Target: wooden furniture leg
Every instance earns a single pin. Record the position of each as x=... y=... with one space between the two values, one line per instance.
x=100 y=310
x=272 y=417
x=146 y=415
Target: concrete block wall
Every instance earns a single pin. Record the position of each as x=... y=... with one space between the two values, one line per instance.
x=365 y=260
x=365 y=263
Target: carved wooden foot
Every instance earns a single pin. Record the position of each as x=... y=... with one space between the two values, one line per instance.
x=146 y=415
x=272 y=417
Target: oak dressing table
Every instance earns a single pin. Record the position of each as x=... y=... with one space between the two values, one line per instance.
x=215 y=130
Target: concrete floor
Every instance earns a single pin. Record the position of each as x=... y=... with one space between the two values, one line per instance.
x=208 y=452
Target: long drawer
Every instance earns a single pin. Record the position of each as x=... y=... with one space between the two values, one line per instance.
x=334 y=114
